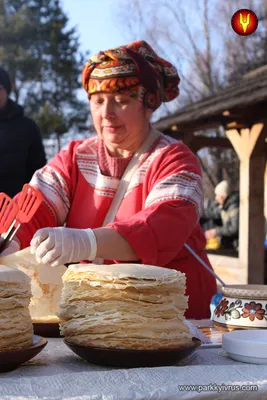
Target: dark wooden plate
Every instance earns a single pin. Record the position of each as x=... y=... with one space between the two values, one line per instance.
x=12 y=359
x=47 y=329
x=132 y=358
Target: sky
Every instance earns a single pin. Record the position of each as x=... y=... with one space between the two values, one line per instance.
x=96 y=26
x=95 y=22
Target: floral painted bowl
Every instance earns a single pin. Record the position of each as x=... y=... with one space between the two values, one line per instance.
x=241 y=307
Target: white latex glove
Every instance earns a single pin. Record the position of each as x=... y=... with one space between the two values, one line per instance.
x=57 y=246
x=12 y=247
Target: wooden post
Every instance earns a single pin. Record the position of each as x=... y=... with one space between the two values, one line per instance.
x=265 y=197
x=249 y=145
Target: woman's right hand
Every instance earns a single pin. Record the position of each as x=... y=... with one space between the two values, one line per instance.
x=11 y=247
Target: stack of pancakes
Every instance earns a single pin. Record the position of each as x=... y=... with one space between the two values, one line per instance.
x=46 y=284
x=125 y=306
x=15 y=321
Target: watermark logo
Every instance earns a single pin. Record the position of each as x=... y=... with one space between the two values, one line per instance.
x=244 y=22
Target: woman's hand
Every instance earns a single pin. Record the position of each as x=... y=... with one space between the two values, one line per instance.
x=12 y=246
x=57 y=246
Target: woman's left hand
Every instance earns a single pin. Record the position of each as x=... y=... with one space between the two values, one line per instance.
x=57 y=246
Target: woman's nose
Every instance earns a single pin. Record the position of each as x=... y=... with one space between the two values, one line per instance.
x=108 y=111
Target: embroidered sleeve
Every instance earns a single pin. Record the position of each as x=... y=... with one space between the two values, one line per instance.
x=184 y=186
x=55 y=186
x=54 y=181
x=177 y=176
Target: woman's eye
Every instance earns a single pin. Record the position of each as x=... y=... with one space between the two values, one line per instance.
x=121 y=101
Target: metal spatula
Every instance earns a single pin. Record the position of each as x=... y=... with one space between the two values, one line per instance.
x=204 y=264
x=29 y=201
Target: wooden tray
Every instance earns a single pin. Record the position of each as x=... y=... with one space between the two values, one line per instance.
x=12 y=359
x=133 y=358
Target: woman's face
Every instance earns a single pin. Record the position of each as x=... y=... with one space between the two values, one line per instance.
x=121 y=121
x=220 y=199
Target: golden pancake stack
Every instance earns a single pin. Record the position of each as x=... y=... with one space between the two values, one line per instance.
x=124 y=306
x=15 y=322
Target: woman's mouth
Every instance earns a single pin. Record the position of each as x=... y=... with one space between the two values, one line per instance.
x=112 y=129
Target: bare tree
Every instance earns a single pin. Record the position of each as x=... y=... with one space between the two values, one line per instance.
x=178 y=34
x=197 y=37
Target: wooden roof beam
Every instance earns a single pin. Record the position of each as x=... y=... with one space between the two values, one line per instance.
x=207 y=123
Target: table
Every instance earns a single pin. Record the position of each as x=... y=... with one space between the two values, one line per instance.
x=58 y=373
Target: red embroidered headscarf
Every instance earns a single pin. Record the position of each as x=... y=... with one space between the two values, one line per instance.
x=135 y=69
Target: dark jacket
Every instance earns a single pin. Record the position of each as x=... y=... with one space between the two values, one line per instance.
x=230 y=221
x=21 y=149
x=211 y=216
x=212 y=210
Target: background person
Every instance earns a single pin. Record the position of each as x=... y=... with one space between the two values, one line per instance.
x=21 y=147
x=229 y=212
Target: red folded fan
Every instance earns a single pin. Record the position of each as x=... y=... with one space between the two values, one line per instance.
x=12 y=214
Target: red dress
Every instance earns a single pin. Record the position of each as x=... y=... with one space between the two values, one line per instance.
x=159 y=212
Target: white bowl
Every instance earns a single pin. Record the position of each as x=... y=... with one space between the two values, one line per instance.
x=249 y=346
x=242 y=307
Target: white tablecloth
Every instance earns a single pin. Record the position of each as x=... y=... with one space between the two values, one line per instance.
x=58 y=373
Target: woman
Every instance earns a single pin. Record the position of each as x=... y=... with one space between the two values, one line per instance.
x=159 y=211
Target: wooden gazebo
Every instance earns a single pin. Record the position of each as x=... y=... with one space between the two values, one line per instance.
x=242 y=110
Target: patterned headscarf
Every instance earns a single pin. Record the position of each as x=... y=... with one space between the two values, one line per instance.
x=135 y=69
